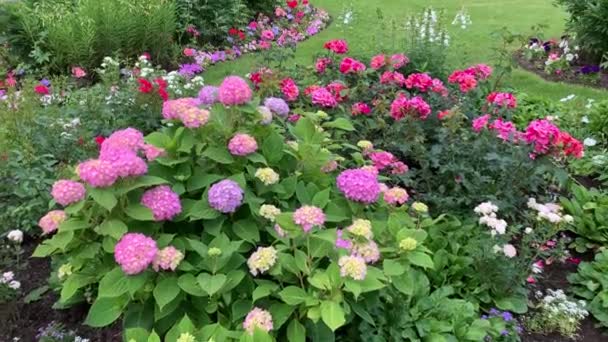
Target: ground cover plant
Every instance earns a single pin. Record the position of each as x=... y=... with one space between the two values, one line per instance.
x=377 y=190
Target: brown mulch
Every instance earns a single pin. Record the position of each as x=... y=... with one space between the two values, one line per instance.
x=570 y=76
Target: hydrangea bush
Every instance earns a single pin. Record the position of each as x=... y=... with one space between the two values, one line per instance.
x=218 y=227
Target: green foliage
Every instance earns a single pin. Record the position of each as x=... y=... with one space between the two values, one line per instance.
x=591 y=283
x=589 y=20
x=590 y=211
x=598 y=120
x=60 y=34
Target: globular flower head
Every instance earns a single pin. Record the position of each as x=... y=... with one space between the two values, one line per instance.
x=366 y=145
x=359 y=185
x=330 y=166
x=234 y=91
x=66 y=192
x=15 y=236
x=163 y=202
x=352 y=266
x=135 y=252
x=186 y=337
x=367 y=250
x=290 y=89
x=172 y=108
x=269 y=211
x=214 y=252
x=378 y=62
x=322 y=64
x=126 y=163
x=361 y=228
x=420 y=207
x=242 y=144
x=480 y=123
x=351 y=66
x=51 y=221
x=277 y=106
x=398 y=60
x=262 y=260
x=97 y=173
x=324 y=98
x=194 y=117
x=266 y=115
x=486 y=208
x=408 y=244
x=509 y=250
x=167 y=258
x=338 y=46
x=503 y=100
x=129 y=138
x=207 y=96
x=258 y=318
x=225 y=196
x=309 y=216
x=382 y=159
x=267 y=176
x=396 y=196
x=360 y=108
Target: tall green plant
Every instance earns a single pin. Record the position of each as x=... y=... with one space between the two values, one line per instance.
x=589 y=20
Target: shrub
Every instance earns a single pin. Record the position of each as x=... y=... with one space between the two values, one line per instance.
x=590 y=211
x=589 y=283
x=589 y=19
x=60 y=35
x=237 y=229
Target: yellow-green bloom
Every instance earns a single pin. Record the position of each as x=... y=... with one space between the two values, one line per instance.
x=269 y=212
x=361 y=228
x=64 y=271
x=408 y=244
x=365 y=144
x=214 y=252
x=322 y=115
x=186 y=337
x=267 y=176
x=262 y=260
x=420 y=207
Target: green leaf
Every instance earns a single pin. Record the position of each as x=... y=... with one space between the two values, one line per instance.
x=139 y=212
x=105 y=311
x=35 y=294
x=321 y=198
x=43 y=250
x=61 y=240
x=264 y=290
x=272 y=148
x=113 y=228
x=332 y=314
x=136 y=334
x=202 y=211
x=301 y=262
x=154 y=337
x=246 y=230
x=211 y=283
x=73 y=225
x=420 y=259
x=188 y=283
x=219 y=154
x=104 y=197
x=393 y=268
x=296 y=332
x=143 y=181
x=165 y=291
x=73 y=284
x=293 y=295
x=280 y=314
x=404 y=283
x=340 y=123
x=113 y=284
x=257 y=158
x=517 y=304
x=201 y=180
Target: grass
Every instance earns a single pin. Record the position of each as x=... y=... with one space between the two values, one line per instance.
x=472 y=45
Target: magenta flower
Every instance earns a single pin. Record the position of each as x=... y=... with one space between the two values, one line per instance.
x=309 y=216
x=163 y=202
x=51 y=221
x=135 y=252
x=97 y=173
x=234 y=91
x=359 y=185
x=242 y=144
x=66 y=192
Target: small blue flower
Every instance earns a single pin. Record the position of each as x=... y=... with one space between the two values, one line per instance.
x=507 y=316
x=45 y=82
x=504 y=333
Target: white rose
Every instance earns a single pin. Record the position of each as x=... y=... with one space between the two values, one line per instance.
x=15 y=285
x=15 y=235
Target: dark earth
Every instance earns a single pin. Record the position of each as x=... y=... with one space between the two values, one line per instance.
x=28 y=318
x=569 y=76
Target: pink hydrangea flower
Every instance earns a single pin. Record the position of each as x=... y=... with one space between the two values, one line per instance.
x=172 y=108
x=541 y=133
x=129 y=138
x=403 y=106
x=163 y=202
x=78 y=72
x=242 y=144
x=51 y=221
x=342 y=243
x=439 y=88
x=378 y=62
x=97 y=173
x=360 y=108
x=309 y=216
x=338 y=90
x=338 y=46
x=193 y=117
x=382 y=159
x=396 y=196
x=267 y=35
x=359 y=185
x=258 y=318
x=125 y=162
x=290 y=89
x=399 y=168
x=368 y=251
x=206 y=96
x=322 y=97
x=480 y=123
x=152 y=152
x=352 y=266
x=135 y=252
x=234 y=91
x=66 y=192
x=225 y=196
x=167 y=258
x=399 y=60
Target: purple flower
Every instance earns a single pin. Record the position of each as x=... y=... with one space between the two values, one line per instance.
x=589 y=69
x=190 y=69
x=225 y=196
x=45 y=82
x=494 y=312
x=484 y=316
x=290 y=16
x=504 y=332
x=230 y=40
x=275 y=30
x=277 y=105
x=342 y=243
x=507 y=316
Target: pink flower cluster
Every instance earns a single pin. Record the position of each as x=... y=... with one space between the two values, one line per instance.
x=396 y=196
x=337 y=46
x=392 y=77
x=467 y=79
x=234 y=91
x=322 y=64
x=290 y=90
x=242 y=144
x=377 y=62
x=258 y=318
x=173 y=108
x=546 y=138
x=66 y=192
x=167 y=258
x=359 y=185
x=324 y=98
x=360 y=108
x=338 y=90
x=351 y=66
x=163 y=202
x=505 y=130
x=421 y=81
x=135 y=252
x=309 y=216
x=383 y=160
x=396 y=61
x=51 y=221
x=502 y=100
x=403 y=106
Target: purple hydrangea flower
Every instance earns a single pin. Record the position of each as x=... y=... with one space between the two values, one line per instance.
x=189 y=69
x=208 y=95
x=225 y=196
x=45 y=82
x=277 y=106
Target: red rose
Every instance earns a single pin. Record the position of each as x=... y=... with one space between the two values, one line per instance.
x=241 y=35
x=41 y=89
x=99 y=140
x=145 y=86
x=292 y=4
x=163 y=94
x=233 y=31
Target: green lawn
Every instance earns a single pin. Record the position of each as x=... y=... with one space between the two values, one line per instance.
x=475 y=44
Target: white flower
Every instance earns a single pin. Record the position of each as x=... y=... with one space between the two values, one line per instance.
x=585 y=119
x=509 y=250
x=567 y=98
x=269 y=212
x=15 y=235
x=15 y=285
x=528 y=230
x=589 y=142
x=486 y=208
x=568 y=218
x=569 y=57
x=7 y=277
x=496 y=248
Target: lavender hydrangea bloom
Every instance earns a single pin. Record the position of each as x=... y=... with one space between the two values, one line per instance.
x=190 y=69
x=277 y=106
x=225 y=196
x=208 y=95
